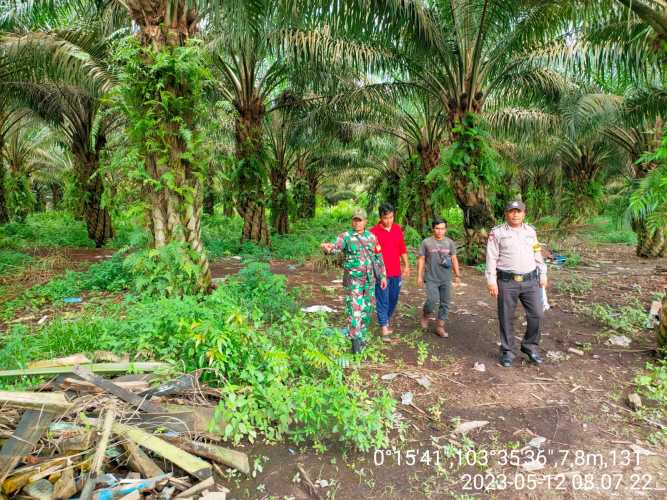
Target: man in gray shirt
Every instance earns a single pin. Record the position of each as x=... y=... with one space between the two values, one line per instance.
x=437 y=260
x=515 y=271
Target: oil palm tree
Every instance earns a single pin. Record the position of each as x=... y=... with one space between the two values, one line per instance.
x=60 y=53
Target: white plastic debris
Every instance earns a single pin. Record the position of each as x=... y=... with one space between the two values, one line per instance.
x=389 y=376
x=537 y=441
x=653 y=314
x=466 y=427
x=556 y=356
x=479 y=367
x=545 y=300
x=641 y=451
x=424 y=381
x=42 y=320
x=406 y=398
x=619 y=340
x=318 y=308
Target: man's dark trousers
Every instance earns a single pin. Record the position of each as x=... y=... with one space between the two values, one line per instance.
x=385 y=300
x=530 y=295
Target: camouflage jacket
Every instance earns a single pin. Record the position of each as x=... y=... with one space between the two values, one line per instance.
x=363 y=255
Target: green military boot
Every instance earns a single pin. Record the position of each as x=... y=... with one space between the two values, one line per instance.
x=357 y=345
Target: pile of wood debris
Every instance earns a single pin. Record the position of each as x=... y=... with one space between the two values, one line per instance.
x=93 y=437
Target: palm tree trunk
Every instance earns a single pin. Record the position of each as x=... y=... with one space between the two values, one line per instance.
x=311 y=194
x=279 y=200
x=174 y=209
x=251 y=198
x=209 y=200
x=56 y=195
x=305 y=190
x=650 y=244
x=430 y=157
x=661 y=329
x=478 y=218
x=98 y=218
x=473 y=197
x=4 y=211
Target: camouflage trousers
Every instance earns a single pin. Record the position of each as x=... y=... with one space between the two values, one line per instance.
x=359 y=303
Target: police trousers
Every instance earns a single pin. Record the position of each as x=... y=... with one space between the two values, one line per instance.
x=530 y=295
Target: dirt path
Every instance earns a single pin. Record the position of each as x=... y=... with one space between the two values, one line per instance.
x=592 y=445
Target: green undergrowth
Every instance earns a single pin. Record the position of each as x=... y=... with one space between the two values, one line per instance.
x=45 y=229
x=603 y=229
x=652 y=386
x=628 y=319
x=221 y=237
x=281 y=374
x=109 y=275
x=12 y=262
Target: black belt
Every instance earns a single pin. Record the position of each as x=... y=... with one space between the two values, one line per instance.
x=506 y=276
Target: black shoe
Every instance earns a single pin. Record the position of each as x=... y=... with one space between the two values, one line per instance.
x=506 y=361
x=534 y=357
x=357 y=345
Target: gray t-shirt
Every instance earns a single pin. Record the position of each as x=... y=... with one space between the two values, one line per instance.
x=434 y=250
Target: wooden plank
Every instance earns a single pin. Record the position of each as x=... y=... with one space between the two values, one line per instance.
x=98 y=459
x=140 y=461
x=192 y=465
x=74 y=359
x=201 y=486
x=95 y=367
x=183 y=383
x=32 y=425
x=127 y=396
x=51 y=401
x=71 y=383
x=225 y=456
x=181 y=419
x=21 y=477
x=65 y=486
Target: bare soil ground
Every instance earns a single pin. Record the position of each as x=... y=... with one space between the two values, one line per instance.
x=594 y=446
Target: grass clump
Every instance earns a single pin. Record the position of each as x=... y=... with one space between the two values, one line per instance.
x=628 y=319
x=652 y=386
x=12 y=261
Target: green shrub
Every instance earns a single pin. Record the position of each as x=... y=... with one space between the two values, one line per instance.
x=574 y=285
x=168 y=271
x=628 y=319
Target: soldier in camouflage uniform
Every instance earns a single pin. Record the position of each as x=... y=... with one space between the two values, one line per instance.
x=363 y=265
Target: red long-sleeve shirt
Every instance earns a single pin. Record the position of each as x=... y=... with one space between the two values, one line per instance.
x=393 y=246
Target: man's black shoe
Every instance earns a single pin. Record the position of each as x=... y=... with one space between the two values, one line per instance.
x=533 y=356
x=506 y=361
x=357 y=345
